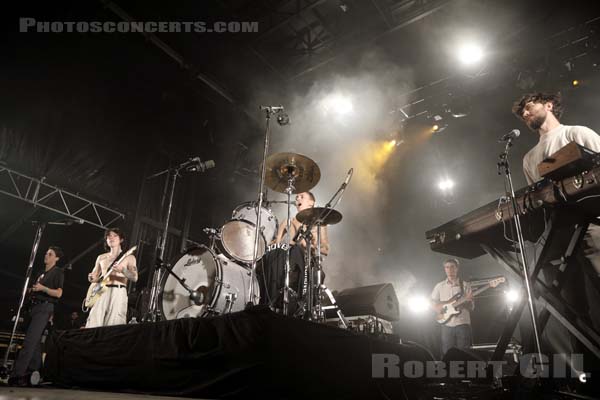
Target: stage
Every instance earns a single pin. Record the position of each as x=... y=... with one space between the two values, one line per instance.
x=249 y=353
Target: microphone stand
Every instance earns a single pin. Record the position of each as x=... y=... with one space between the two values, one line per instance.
x=34 y=249
x=152 y=314
x=261 y=187
x=504 y=167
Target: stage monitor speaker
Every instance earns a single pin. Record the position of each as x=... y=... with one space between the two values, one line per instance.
x=376 y=300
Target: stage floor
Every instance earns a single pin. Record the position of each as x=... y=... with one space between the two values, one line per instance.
x=49 y=393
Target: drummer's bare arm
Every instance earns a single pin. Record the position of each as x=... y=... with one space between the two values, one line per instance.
x=324 y=241
x=280 y=232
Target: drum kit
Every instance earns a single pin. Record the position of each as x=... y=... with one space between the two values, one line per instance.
x=221 y=278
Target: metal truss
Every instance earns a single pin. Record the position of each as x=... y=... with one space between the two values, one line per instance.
x=40 y=194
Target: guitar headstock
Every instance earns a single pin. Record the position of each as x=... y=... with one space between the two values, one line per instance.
x=496 y=281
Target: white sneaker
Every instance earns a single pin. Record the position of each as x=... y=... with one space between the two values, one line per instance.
x=35 y=378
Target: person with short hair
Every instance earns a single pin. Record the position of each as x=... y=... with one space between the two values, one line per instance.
x=457 y=331
x=541 y=112
x=45 y=292
x=111 y=307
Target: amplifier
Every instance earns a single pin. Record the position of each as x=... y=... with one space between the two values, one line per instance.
x=377 y=300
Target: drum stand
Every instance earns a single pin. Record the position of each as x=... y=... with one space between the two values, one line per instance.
x=314 y=310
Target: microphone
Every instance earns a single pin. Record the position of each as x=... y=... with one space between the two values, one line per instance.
x=350 y=173
x=271 y=109
x=195 y=164
x=209 y=231
x=510 y=136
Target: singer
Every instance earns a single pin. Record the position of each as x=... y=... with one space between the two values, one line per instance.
x=541 y=112
x=44 y=295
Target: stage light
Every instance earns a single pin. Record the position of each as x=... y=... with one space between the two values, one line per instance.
x=575 y=82
x=446 y=184
x=470 y=54
x=418 y=304
x=512 y=296
x=337 y=104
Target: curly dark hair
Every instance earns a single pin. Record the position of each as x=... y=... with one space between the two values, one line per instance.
x=119 y=233
x=539 y=97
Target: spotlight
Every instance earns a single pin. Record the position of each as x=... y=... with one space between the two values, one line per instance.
x=337 y=104
x=446 y=184
x=393 y=142
x=418 y=304
x=470 y=54
x=512 y=296
x=575 y=82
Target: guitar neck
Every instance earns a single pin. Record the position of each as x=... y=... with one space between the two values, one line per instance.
x=475 y=293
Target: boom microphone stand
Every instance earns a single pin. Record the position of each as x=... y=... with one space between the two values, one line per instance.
x=504 y=167
x=34 y=249
x=282 y=120
x=191 y=165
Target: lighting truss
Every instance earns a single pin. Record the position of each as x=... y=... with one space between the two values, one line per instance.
x=41 y=194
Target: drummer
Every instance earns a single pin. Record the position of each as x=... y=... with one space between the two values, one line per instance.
x=304 y=201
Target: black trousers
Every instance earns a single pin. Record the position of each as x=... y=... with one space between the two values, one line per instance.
x=271 y=276
x=30 y=356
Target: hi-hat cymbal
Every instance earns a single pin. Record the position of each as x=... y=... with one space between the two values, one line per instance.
x=311 y=215
x=283 y=166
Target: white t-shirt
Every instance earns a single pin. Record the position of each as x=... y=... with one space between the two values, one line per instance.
x=444 y=291
x=549 y=144
x=553 y=141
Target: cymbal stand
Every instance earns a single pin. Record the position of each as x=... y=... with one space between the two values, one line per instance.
x=288 y=190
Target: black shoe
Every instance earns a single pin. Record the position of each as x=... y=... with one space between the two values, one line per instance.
x=18 y=381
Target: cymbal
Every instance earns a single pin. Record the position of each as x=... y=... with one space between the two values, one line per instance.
x=311 y=215
x=281 y=166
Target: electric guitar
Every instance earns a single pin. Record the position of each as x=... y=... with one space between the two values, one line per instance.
x=452 y=307
x=98 y=288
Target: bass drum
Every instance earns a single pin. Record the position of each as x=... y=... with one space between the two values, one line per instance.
x=237 y=235
x=223 y=285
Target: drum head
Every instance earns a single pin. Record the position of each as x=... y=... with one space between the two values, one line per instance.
x=200 y=268
x=237 y=238
x=268 y=221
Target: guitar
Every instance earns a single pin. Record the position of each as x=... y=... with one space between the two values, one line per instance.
x=452 y=307
x=98 y=288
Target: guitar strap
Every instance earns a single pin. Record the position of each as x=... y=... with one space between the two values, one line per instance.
x=113 y=263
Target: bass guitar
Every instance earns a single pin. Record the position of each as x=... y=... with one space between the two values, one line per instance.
x=452 y=307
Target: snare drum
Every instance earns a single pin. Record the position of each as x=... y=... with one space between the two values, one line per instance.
x=223 y=284
x=237 y=235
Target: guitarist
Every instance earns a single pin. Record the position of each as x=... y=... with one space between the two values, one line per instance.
x=111 y=307
x=46 y=291
x=457 y=331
